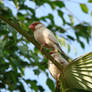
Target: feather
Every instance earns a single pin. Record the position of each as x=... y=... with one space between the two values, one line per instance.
x=78 y=74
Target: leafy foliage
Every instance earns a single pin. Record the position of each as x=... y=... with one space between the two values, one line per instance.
x=50 y=84
x=17 y=53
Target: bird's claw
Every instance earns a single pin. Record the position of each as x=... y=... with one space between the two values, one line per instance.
x=53 y=53
x=42 y=46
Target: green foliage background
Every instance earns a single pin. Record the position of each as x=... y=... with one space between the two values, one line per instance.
x=15 y=51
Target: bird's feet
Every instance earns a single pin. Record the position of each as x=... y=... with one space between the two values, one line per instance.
x=53 y=53
x=42 y=46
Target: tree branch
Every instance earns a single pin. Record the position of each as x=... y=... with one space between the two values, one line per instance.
x=31 y=39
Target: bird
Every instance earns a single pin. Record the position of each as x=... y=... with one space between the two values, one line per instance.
x=55 y=72
x=77 y=73
x=44 y=36
x=53 y=69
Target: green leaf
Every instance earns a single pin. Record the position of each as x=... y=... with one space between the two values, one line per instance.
x=84 y=31
x=90 y=1
x=70 y=37
x=61 y=15
x=60 y=4
x=2 y=45
x=41 y=88
x=36 y=71
x=75 y=51
x=34 y=85
x=40 y=2
x=53 y=4
x=84 y=8
x=50 y=16
x=82 y=44
x=20 y=16
x=71 y=19
x=13 y=77
x=63 y=42
x=50 y=84
x=16 y=4
x=68 y=48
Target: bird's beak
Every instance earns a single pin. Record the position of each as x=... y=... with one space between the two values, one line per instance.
x=31 y=27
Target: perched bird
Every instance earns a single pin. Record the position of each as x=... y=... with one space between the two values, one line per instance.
x=55 y=72
x=77 y=74
x=44 y=36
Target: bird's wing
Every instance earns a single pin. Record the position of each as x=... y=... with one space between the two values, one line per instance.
x=52 y=37
x=54 y=40
x=78 y=74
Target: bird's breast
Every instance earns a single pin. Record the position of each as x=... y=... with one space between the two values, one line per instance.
x=42 y=36
x=53 y=69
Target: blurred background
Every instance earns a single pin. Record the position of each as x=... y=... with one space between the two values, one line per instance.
x=22 y=66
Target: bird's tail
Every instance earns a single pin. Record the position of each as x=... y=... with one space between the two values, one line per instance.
x=63 y=54
x=79 y=74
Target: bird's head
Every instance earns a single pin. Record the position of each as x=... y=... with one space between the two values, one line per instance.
x=35 y=25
